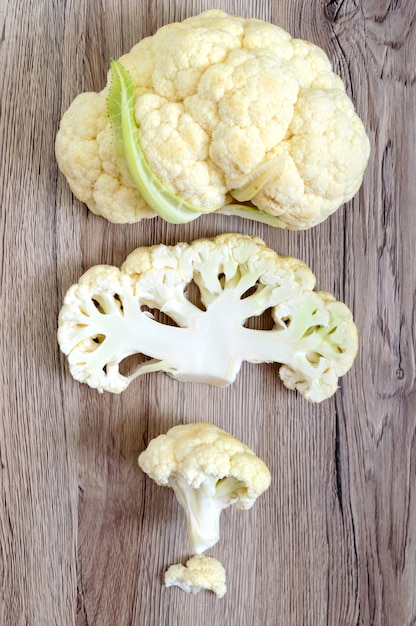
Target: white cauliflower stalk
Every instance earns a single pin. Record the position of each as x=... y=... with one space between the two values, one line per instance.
x=111 y=314
x=216 y=109
x=208 y=469
x=200 y=573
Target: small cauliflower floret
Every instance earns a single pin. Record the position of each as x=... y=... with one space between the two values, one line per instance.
x=200 y=111
x=112 y=313
x=200 y=573
x=208 y=469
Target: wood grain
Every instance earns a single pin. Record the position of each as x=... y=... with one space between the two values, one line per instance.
x=84 y=536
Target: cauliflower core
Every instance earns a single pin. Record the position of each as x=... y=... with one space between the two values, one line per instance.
x=111 y=314
x=215 y=98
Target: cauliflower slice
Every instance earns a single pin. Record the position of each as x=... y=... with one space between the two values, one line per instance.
x=215 y=98
x=200 y=573
x=111 y=314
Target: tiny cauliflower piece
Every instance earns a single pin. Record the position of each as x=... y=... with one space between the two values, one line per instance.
x=200 y=573
x=213 y=102
x=208 y=469
x=111 y=314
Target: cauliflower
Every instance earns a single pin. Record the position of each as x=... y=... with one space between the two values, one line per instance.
x=111 y=314
x=208 y=469
x=210 y=111
x=200 y=572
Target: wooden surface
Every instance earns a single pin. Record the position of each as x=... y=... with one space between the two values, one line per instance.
x=84 y=536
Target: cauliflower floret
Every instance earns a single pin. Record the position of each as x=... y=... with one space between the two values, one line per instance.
x=200 y=573
x=208 y=470
x=216 y=97
x=174 y=142
x=253 y=115
x=324 y=159
x=84 y=154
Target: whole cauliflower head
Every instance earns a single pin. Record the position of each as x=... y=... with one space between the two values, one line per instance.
x=215 y=98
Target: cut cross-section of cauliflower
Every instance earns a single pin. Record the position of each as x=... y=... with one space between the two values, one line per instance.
x=111 y=314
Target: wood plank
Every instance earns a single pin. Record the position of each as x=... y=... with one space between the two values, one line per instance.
x=85 y=536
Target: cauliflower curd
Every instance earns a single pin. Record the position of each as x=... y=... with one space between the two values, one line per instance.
x=199 y=573
x=216 y=97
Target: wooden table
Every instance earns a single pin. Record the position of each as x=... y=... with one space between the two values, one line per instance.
x=85 y=537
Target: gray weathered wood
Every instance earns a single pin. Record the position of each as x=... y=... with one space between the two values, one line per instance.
x=84 y=536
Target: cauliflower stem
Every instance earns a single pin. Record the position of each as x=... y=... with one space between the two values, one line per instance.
x=203 y=507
